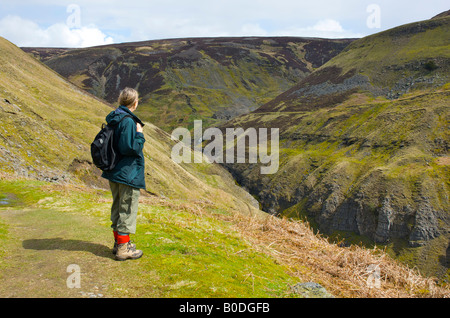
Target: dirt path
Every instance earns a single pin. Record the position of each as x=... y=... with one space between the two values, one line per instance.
x=42 y=244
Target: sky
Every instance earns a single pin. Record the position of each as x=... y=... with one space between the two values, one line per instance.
x=85 y=23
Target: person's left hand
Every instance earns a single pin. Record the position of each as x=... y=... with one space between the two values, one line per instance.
x=139 y=128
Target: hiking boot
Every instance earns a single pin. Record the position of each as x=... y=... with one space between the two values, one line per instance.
x=127 y=251
x=114 y=250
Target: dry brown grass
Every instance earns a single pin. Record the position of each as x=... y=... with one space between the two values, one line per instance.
x=443 y=161
x=343 y=271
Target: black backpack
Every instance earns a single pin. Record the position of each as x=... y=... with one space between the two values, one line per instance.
x=104 y=155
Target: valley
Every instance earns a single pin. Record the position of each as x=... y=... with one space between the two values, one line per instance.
x=362 y=123
x=362 y=173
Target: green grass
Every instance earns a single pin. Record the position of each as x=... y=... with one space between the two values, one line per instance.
x=3 y=237
x=188 y=252
x=20 y=193
x=375 y=55
x=203 y=257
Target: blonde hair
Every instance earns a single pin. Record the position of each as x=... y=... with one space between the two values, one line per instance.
x=128 y=97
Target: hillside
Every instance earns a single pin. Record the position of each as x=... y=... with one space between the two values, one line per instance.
x=196 y=233
x=48 y=125
x=214 y=79
x=364 y=145
x=388 y=64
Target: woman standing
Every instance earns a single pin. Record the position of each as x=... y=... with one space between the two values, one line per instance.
x=127 y=177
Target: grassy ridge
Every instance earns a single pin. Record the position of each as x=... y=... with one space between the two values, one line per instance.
x=390 y=56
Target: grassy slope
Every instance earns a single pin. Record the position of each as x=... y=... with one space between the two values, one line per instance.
x=48 y=125
x=390 y=64
x=392 y=55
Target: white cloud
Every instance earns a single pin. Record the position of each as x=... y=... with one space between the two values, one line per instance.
x=327 y=28
x=158 y=19
x=45 y=22
x=253 y=29
x=328 y=25
x=23 y=32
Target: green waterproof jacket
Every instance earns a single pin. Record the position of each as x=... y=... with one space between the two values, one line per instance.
x=130 y=143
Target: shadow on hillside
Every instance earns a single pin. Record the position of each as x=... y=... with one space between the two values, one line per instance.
x=68 y=245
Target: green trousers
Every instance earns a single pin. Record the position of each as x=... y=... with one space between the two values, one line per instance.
x=124 y=208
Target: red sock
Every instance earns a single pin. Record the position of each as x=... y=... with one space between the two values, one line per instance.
x=121 y=239
x=115 y=235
